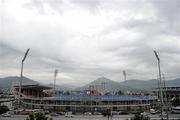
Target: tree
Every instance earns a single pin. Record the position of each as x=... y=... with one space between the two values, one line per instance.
x=108 y=93
x=140 y=116
x=119 y=92
x=3 y=109
x=67 y=93
x=176 y=102
x=38 y=116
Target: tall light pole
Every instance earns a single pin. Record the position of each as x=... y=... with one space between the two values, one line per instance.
x=124 y=74
x=22 y=64
x=160 y=82
x=165 y=95
x=55 y=75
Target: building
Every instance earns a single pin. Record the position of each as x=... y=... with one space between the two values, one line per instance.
x=1 y=91
x=172 y=92
x=36 y=97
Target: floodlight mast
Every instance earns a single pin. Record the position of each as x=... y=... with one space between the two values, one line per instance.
x=160 y=82
x=22 y=65
x=25 y=55
x=55 y=75
x=166 y=100
x=160 y=78
x=124 y=74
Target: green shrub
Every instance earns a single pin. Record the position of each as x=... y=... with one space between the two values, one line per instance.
x=38 y=116
x=139 y=116
x=176 y=102
x=3 y=109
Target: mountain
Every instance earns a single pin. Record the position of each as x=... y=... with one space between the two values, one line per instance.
x=7 y=82
x=149 y=84
x=101 y=84
x=61 y=87
x=175 y=82
x=141 y=84
x=105 y=85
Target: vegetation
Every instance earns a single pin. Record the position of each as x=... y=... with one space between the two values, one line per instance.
x=3 y=109
x=139 y=116
x=176 y=102
x=67 y=93
x=38 y=116
x=119 y=93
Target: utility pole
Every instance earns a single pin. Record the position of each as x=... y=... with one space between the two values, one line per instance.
x=22 y=65
x=160 y=83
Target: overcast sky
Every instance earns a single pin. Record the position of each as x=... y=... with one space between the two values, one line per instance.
x=87 y=39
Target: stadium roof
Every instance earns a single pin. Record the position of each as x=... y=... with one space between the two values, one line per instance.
x=103 y=97
x=35 y=86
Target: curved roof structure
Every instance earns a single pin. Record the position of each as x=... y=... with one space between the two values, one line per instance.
x=34 y=86
x=102 y=97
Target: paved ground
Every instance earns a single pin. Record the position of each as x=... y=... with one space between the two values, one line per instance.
x=96 y=117
x=74 y=118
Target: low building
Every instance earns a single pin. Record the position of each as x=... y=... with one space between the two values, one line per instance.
x=169 y=93
x=32 y=90
x=172 y=92
x=1 y=91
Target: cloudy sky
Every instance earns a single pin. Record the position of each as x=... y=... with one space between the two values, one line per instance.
x=87 y=39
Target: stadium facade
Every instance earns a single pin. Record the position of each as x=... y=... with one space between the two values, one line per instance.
x=36 y=97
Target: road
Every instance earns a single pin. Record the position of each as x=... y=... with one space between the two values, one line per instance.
x=90 y=117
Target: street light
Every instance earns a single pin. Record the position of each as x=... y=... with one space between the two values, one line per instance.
x=160 y=82
x=124 y=74
x=22 y=63
x=55 y=75
x=160 y=79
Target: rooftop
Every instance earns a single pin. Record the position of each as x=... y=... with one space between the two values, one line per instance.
x=101 y=97
x=35 y=86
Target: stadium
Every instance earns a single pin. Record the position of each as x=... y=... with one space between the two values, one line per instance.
x=37 y=97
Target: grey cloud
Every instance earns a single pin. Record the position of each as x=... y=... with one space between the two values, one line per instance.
x=60 y=5
x=154 y=27
x=91 y=5
x=167 y=9
x=39 y=5
x=123 y=42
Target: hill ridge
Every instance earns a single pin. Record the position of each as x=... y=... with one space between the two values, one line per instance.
x=102 y=82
